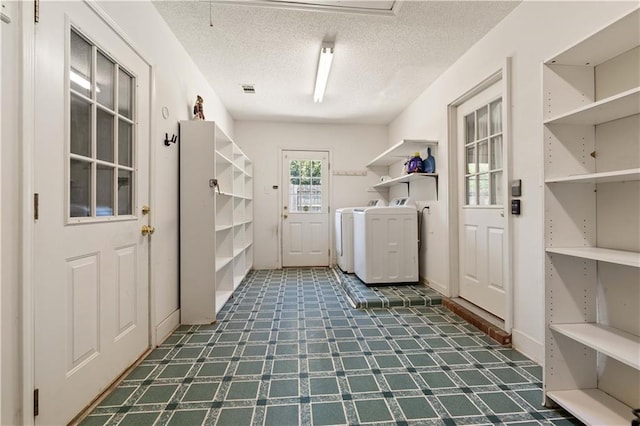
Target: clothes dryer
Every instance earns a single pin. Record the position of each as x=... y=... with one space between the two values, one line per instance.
x=386 y=243
x=344 y=235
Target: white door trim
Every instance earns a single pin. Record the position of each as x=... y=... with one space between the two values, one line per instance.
x=280 y=195
x=27 y=233
x=27 y=178
x=503 y=75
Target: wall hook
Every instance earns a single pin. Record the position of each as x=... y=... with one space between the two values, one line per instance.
x=168 y=141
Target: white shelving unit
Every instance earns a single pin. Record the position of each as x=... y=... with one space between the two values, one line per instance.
x=395 y=156
x=216 y=229
x=592 y=225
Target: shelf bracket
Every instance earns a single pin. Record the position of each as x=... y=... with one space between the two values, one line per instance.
x=408 y=188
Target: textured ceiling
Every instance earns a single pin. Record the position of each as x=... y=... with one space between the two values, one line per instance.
x=381 y=63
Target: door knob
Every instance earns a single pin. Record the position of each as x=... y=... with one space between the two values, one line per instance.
x=285 y=215
x=147 y=230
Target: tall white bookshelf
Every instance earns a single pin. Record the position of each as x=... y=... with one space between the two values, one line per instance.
x=216 y=220
x=592 y=225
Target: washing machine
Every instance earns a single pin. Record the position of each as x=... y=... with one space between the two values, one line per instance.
x=344 y=235
x=385 y=243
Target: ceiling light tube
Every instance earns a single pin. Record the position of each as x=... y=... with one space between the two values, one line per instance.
x=324 y=66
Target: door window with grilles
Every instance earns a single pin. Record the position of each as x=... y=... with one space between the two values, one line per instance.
x=305 y=186
x=483 y=155
x=101 y=133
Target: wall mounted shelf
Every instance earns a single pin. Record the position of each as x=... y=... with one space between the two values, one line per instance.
x=399 y=154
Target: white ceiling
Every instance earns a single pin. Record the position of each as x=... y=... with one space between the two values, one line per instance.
x=383 y=59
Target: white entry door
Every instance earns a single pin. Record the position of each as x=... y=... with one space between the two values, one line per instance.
x=305 y=208
x=92 y=179
x=483 y=247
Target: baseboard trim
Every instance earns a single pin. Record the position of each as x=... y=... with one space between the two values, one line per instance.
x=440 y=288
x=167 y=326
x=528 y=346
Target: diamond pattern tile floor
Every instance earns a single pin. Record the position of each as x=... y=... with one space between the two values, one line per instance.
x=289 y=349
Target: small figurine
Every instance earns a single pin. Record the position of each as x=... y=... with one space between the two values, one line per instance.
x=198 y=109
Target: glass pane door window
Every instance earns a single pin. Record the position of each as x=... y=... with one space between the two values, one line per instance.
x=483 y=159
x=305 y=186
x=101 y=132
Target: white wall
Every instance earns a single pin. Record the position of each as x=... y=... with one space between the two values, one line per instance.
x=532 y=33
x=352 y=146
x=177 y=82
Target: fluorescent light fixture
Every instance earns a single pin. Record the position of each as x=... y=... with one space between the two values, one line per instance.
x=81 y=81
x=324 y=66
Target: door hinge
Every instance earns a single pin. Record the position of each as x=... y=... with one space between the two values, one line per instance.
x=36 y=11
x=36 y=206
x=36 y=402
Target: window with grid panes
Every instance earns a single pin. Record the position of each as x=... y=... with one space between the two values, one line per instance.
x=102 y=133
x=305 y=189
x=483 y=155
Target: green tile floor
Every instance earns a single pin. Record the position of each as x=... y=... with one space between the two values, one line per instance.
x=290 y=350
x=385 y=296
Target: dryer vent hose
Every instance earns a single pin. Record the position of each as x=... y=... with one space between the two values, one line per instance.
x=420 y=215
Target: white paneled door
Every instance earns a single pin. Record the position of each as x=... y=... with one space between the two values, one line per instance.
x=305 y=208
x=482 y=246
x=92 y=179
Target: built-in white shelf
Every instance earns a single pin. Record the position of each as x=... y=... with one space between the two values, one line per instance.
x=222 y=296
x=400 y=151
x=593 y=406
x=213 y=229
x=221 y=262
x=602 y=177
x=237 y=280
x=404 y=179
x=624 y=347
x=224 y=157
x=612 y=108
x=619 y=257
x=608 y=43
x=592 y=358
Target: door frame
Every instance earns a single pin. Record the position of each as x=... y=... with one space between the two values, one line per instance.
x=27 y=186
x=503 y=75
x=279 y=219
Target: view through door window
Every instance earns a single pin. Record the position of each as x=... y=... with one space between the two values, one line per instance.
x=305 y=186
